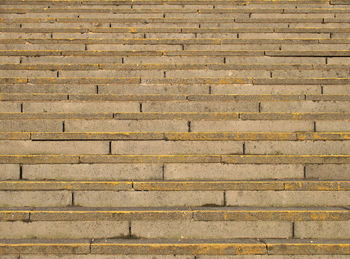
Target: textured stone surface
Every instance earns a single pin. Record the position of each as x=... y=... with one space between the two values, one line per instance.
x=174 y=129
x=93 y=172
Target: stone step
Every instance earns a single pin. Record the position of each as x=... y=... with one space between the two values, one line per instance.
x=175 y=194
x=177 y=136
x=109 y=222
x=169 y=125
x=37 y=97
x=173 y=41
x=182 y=247
x=173 y=89
x=173 y=147
x=171 y=47
x=222 y=21
x=125 y=159
x=207 y=116
x=172 y=81
x=193 y=53
x=179 y=67
x=176 y=29
x=245 y=104
x=132 y=186
x=175 y=74
x=152 y=9
x=194 y=213
x=174 y=171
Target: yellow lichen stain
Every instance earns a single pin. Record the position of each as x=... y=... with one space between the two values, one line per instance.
x=22 y=80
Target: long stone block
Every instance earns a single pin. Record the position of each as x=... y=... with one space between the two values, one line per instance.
x=287 y=198
x=210 y=229
x=176 y=147
x=147 y=199
x=64 y=229
x=14 y=147
x=35 y=198
x=231 y=172
x=93 y=172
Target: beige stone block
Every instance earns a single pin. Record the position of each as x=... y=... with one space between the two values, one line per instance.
x=64 y=229
x=275 y=60
x=217 y=73
x=14 y=147
x=330 y=126
x=120 y=47
x=114 y=73
x=9 y=171
x=35 y=198
x=338 y=60
x=81 y=89
x=7 y=60
x=22 y=35
x=330 y=171
x=336 y=89
x=253 y=126
x=152 y=89
x=194 y=106
x=211 y=229
x=110 y=172
x=173 y=60
x=72 y=60
x=305 y=106
x=322 y=229
x=231 y=172
x=176 y=147
x=42 y=46
x=147 y=199
x=265 y=89
x=125 y=126
x=310 y=73
x=83 y=107
x=287 y=198
x=10 y=107
x=298 y=147
x=31 y=125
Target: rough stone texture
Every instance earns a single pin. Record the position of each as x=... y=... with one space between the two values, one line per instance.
x=64 y=229
x=125 y=126
x=10 y=107
x=201 y=107
x=93 y=172
x=325 y=229
x=333 y=126
x=298 y=148
x=31 y=125
x=173 y=129
x=50 y=147
x=176 y=147
x=9 y=171
x=287 y=198
x=81 y=107
x=254 y=126
x=231 y=172
x=35 y=199
x=148 y=199
x=330 y=171
x=210 y=229
x=306 y=106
